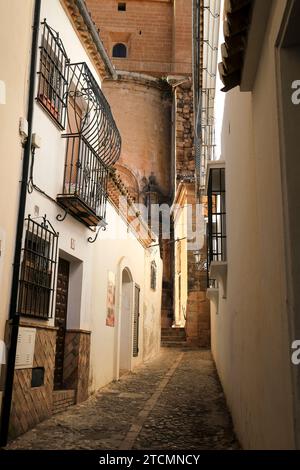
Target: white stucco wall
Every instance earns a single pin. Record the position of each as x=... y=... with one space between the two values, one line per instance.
x=115 y=248
x=250 y=339
x=180 y=256
x=114 y=251
x=16 y=21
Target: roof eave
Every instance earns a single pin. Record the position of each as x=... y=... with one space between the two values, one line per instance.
x=88 y=33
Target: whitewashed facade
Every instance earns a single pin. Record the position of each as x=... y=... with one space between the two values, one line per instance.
x=95 y=347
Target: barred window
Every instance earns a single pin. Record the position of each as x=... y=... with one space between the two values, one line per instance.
x=53 y=75
x=153 y=275
x=216 y=216
x=36 y=285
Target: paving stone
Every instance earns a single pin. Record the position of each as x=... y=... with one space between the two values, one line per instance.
x=154 y=407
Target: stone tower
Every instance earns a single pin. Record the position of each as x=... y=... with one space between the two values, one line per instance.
x=150 y=44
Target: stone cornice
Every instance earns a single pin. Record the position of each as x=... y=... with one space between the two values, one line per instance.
x=88 y=35
x=128 y=211
x=144 y=80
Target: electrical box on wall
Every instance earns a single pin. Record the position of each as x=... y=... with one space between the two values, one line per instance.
x=25 y=348
x=36 y=141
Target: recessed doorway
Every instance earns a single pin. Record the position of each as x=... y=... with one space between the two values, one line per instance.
x=61 y=308
x=126 y=321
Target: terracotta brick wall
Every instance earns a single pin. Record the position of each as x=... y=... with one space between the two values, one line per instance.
x=182 y=37
x=30 y=405
x=77 y=362
x=63 y=399
x=151 y=29
x=198 y=306
x=142 y=112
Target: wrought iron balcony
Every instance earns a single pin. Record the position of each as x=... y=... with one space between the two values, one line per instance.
x=85 y=182
x=93 y=145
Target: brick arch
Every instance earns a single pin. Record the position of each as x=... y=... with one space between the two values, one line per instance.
x=130 y=181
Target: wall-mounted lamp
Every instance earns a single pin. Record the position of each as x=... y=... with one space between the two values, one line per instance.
x=200 y=261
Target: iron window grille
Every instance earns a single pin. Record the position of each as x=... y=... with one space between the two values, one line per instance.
x=38 y=268
x=53 y=75
x=153 y=275
x=216 y=216
x=93 y=145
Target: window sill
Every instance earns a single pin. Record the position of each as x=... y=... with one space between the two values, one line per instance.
x=218 y=271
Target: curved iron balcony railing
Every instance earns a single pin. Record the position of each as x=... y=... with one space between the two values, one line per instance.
x=93 y=145
x=89 y=114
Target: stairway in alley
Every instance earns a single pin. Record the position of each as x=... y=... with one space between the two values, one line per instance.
x=173 y=337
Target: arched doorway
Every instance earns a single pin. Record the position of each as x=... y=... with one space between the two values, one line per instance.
x=126 y=321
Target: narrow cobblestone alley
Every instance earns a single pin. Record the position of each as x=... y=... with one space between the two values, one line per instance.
x=173 y=402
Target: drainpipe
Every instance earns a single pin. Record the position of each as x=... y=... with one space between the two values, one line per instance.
x=197 y=92
x=94 y=33
x=13 y=316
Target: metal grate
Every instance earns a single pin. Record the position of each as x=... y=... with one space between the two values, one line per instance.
x=38 y=268
x=93 y=144
x=136 y=321
x=53 y=75
x=85 y=176
x=89 y=115
x=216 y=216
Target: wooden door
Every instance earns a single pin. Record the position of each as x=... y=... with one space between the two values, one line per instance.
x=61 y=320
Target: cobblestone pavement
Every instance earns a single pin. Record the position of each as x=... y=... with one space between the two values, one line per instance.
x=173 y=402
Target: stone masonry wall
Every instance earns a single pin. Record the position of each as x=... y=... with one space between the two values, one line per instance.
x=198 y=312
x=142 y=111
x=184 y=133
x=198 y=306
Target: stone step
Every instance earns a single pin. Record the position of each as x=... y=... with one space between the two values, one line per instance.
x=174 y=344
x=173 y=331
x=170 y=335
x=169 y=339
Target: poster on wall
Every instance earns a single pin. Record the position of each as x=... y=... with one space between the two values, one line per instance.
x=111 y=299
